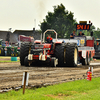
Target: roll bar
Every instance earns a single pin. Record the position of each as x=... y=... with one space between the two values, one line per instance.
x=49 y=31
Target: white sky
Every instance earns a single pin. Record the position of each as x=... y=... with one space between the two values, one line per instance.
x=20 y=14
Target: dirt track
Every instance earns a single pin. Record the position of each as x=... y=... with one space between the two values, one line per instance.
x=11 y=74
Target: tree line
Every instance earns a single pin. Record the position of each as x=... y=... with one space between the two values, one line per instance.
x=63 y=22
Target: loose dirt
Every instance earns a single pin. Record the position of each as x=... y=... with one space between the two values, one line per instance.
x=11 y=74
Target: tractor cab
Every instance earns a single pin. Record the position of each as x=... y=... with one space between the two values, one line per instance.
x=43 y=45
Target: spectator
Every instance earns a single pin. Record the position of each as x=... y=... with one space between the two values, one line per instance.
x=81 y=34
x=72 y=35
x=5 y=51
x=12 y=51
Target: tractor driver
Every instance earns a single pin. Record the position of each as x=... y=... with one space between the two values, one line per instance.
x=81 y=34
x=49 y=40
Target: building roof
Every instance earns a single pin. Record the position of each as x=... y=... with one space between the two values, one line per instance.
x=13 y=38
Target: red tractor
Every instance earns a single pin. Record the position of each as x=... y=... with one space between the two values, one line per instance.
x=62 y=54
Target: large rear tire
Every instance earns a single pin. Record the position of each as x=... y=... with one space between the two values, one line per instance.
x=71 y=54
x=59 y=53
x=24 y=51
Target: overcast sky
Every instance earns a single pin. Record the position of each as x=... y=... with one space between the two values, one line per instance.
x=20 y=14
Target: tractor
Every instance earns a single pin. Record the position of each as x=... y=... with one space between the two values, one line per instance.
x=62 y=54
x=65 y=52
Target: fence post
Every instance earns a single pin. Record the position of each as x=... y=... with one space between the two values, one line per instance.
x=24 y=82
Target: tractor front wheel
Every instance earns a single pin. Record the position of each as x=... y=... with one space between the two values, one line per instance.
x=24 y=51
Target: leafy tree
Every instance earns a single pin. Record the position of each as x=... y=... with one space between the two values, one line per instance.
x=60 y=20
x=96 y=34
x=88 y=32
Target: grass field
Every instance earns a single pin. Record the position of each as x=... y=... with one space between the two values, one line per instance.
x=8 y=61
x=76 y=90
x=4 y=59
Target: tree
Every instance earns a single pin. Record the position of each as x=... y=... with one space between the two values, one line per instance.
x=60 y=20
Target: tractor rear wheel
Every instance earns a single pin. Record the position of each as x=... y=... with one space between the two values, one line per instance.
x=24 y=51
x=71 y=54
x=59 y=54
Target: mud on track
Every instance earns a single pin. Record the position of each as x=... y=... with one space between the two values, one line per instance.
x=11 y=74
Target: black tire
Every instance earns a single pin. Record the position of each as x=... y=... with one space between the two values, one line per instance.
x=71 y=54
x=52 y=63
x=26 y=61
x=24 y=51
x=59 y=53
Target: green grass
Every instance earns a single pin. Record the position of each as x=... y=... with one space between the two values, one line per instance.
x=5 y=57
x=76 y=90
x=8 y=61
x=97 y=59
